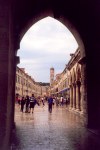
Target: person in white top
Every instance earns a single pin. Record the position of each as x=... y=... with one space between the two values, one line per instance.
x=61 y=101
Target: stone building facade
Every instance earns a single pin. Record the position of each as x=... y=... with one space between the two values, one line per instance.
x=68 y=83
x=74 y=82
x=60 y=84
x=26 y=85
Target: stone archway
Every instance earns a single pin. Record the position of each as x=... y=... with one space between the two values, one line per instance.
x=74 y=32
x=15 y=18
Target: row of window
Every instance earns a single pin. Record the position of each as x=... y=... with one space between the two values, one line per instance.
x=24 y=82
x=21 y=89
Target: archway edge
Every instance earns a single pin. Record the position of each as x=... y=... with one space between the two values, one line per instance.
x=61 y=19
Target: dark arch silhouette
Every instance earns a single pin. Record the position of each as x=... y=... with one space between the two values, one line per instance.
x=16 y=17
x=63 y=20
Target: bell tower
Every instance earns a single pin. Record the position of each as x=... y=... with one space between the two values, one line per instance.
x=51 y=75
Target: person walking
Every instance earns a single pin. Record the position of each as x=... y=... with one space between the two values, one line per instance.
x=50 y=102
x=27 y=101
x=61 y=101
x=22 y=104
x=57 y=101
x=33 y=102
x=53 y=101
x=42 y=99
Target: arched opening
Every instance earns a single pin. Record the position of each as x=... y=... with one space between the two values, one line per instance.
x=73 y=75
x=74 y=32
x=80 y=54
x=82 y=51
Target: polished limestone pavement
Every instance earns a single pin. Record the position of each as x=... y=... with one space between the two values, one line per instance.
x=59 y=130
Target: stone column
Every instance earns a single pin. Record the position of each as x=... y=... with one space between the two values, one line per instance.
x=78 y=95
x=74 y=96
x=6 y=74
x=16 y=61
x=71 y=96
x=83 y=90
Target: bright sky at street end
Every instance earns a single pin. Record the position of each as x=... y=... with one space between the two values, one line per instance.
x=48 y=43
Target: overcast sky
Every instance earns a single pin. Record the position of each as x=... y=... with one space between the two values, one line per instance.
x=48 y=43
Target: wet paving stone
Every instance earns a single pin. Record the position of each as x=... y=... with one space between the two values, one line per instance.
x=59 y=130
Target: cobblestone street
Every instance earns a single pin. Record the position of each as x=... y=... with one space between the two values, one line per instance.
x=60 y=130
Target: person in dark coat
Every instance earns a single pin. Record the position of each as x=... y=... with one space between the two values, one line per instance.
x=22 y=104
x=50 y=102
x=27 y=101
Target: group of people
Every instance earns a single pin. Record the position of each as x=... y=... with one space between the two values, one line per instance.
x=59 y=101
x=29 y=102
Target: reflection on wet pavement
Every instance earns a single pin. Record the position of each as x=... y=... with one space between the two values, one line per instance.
x=60 y=130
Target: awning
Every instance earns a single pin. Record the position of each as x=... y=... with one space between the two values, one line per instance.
x=64 y=90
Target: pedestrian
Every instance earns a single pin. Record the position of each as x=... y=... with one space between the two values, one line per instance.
x=27 y=101
x=16 y=100
x=61 y=101
x=33 y=102
x=22 y=104
x=42 y=99
x=53 y=101
x=57 y=101
x=19 y=100
x=50 y=102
